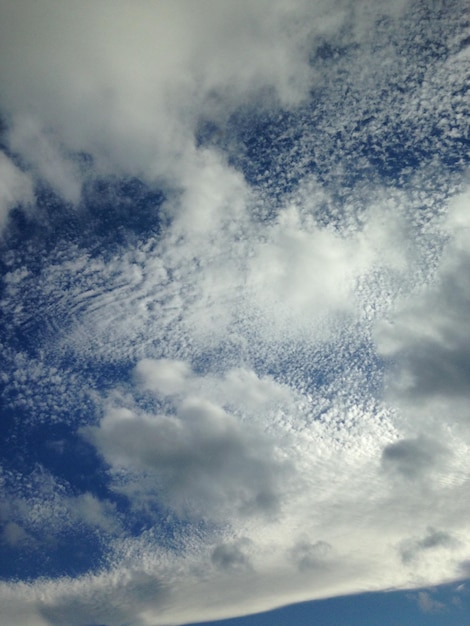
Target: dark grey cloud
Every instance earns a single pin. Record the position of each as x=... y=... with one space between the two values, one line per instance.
x=311 y=556
x=411 y=549
x=413 y=458
x=200 y=460
x=433 y=346
x=428 y=338
x=232 y=556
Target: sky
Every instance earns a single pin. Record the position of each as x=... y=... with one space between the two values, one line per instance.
x=235 y=284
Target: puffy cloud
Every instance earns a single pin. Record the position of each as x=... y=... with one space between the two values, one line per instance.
x=311 y=555
x=45 y=157
x=428 y=604
x=13 y=534
x=165 y=376
x=16 y=188
x=199 y=461
x=412 y=549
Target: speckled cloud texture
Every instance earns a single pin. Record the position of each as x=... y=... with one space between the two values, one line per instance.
x=263 y=336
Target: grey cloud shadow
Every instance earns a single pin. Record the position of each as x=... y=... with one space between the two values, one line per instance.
x=411 y=549
x=431 y=337
x=114 y=606
x=203 y=459
x=413 y=458
x=232 y=556
x=310 y=556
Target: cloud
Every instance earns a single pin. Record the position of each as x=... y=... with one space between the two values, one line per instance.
x=131 y=84
x=231 y=556
x=309 y=555
x=413 y=457
x=271 y=364
x=16 y=188
x=13 y=534
x=198 y=460
x=428 y=604
x=428 y=337
x=166 y=376
x=434 y=540
x=45 y=158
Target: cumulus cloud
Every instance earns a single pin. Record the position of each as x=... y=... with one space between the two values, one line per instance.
x=13 y=534
x=165 y=376
x=199 y=460
x=44 y=156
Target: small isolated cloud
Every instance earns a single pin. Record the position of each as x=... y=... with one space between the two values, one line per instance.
x=165 y=376
x=232 y=556
x=428 y=604
x=95 y=513
x=13 y=535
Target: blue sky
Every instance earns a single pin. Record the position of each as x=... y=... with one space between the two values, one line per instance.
x=234 y=282
x=435 y=607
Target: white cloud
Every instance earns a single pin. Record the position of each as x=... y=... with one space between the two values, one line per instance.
x=199 y=460
x=44 y=155
x=254 y=414
x=13 y=534
x=166 y=376
x=428 y=604
x=15 y=188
